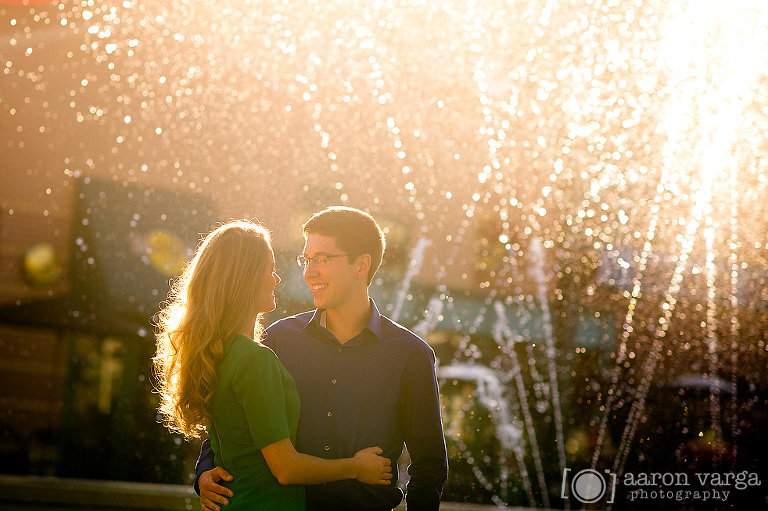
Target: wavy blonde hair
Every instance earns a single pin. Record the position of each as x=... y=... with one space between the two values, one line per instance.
x=216 y=295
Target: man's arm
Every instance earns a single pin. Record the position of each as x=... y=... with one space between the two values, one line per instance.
x=204 y=462
x=212 y=494
x=424 y=438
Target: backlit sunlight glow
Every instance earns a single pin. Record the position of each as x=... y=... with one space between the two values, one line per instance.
x=561 y=162
x=710 y=84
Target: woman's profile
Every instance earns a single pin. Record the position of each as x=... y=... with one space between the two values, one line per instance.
x=215 y=377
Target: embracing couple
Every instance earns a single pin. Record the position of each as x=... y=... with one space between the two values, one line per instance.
x=326 y=398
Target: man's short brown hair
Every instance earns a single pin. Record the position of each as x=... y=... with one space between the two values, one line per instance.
x=355 y=232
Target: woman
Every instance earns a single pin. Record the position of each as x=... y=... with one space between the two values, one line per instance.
x=214 y=378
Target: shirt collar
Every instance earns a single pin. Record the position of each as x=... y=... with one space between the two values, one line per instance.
x=373 y=325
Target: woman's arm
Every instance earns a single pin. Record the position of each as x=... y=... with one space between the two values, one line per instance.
x=292 y=467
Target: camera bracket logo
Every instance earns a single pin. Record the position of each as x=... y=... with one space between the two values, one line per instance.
x=588 y=486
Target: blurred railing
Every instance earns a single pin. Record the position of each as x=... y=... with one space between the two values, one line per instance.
x=48 y=493
x=24 y=493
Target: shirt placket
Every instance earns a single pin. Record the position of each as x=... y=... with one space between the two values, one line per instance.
x=330 y=442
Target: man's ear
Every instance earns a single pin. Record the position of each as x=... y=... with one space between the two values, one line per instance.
x=363 y=265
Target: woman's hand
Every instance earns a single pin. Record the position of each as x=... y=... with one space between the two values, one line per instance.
x=371 y=467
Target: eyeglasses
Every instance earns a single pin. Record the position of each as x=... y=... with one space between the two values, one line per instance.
x=319 y=260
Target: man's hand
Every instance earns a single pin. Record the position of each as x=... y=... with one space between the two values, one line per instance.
x=211 y=492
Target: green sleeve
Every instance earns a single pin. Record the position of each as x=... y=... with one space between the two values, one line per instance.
x=258 y=386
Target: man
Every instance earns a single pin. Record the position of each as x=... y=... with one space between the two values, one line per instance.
x=363 y=379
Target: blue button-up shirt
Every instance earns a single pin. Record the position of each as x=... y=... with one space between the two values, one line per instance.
x=377 y=389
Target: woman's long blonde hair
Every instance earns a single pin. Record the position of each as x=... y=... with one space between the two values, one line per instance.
x=216 y=295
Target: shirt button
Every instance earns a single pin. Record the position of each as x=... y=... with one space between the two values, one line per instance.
x=327 y=447
x=330 y=414
x=339 y=350
x=333 y=381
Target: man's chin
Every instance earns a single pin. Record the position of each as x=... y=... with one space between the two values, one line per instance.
x=319 y=302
